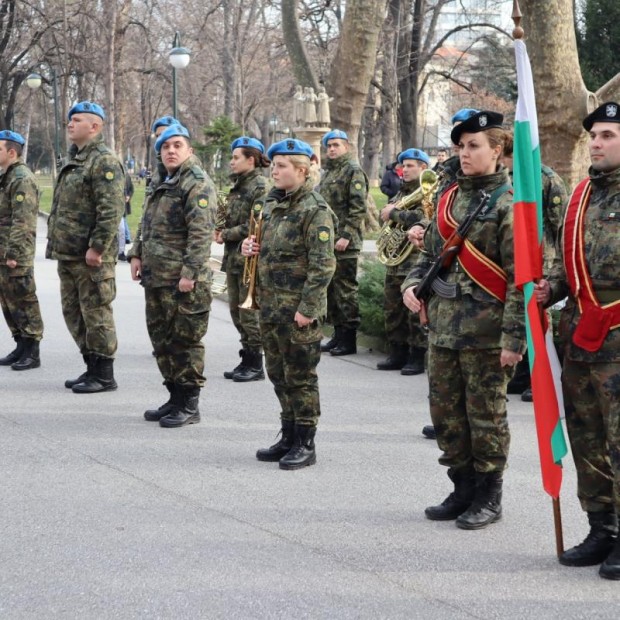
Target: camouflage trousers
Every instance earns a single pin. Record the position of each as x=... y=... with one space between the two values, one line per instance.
x=468 y=407
x=291 y=357
x=86 y=295
x=592 y=405
x=177 y=322
x=20 y=305
x=401 y=325
x=246 y=321
x=342 y=301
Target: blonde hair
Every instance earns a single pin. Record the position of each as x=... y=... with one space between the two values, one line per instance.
x=301 y=162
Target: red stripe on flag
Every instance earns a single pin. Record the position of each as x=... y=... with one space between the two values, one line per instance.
x=528 y=252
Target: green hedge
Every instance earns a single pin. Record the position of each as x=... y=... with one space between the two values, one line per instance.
x=371 y=297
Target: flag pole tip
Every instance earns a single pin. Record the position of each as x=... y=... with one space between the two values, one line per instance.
x=518 y=32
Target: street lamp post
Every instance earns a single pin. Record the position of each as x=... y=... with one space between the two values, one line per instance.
x=34 y=81
x=179 y=59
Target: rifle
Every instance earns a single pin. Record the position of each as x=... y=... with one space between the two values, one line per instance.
x=431 y=282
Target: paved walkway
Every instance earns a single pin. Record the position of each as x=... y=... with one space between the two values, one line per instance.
x=107 y=516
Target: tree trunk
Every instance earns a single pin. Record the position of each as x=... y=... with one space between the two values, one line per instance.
x=562 y=100
x=295 y=46
x=354 y=64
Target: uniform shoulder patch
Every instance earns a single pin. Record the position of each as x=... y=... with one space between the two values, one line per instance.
x=109 y=174
x=557 y=200
x=323 y=234
x=357 y=185
x=20 y=197
x=203 y=201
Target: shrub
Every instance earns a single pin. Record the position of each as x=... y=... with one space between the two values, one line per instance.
x=371 y=298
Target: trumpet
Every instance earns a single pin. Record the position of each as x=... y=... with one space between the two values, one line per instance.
x=250 y=266
x=393 y=246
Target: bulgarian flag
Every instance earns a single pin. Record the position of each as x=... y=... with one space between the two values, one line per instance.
x=528 y=251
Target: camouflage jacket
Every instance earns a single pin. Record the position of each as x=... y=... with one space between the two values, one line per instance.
x=602 y=251
x=344 y=186
x=176 y=230
x=407 y=218
x=88 y=204
x=296 y=260
x=475 y=319
x=19 y=206
x=447 y=174
x=554 y=201
x=248 y=188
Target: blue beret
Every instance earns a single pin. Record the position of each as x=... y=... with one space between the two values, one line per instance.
x=463 y=114
x=607 y=113
x=414 y=154
x=334 y=134
x=86 y=107
x=290 y=147
x=248 y=143
x=164 y=121
x=481 y=121
x=173 y=130
x=11 y=135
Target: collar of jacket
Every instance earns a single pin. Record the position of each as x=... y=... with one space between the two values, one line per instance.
x=605 y=179
x=4 y=174
x=338 y=162
x=408 y=187
x=242 y=179
x=85 y=151
x=488 y=182
x=174 y=179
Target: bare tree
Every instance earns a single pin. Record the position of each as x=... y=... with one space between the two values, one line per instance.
x=561 y=95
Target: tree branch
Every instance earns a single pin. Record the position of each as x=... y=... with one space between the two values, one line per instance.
x=610 y=90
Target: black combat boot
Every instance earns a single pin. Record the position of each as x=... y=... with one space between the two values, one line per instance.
x=188 y=413
x=154 y=415
x=302 y=451
x=15 y=354
x=278 y=450
x=521 y=379
x=229 y=374
x=527 y=396
x=29 y=357
x=347 y=344
x=429 y=432
x=459 y=500
x=100 y=379
x=333 y=343
x=487 y=505
x=69 y=383
x=252 y=369
x=610 y=568
x=415 y=362
x=597 y=544
x=399 y=353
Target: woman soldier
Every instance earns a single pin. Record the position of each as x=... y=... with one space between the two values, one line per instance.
x=295 y=265
x=476 y=335
x=248 y=157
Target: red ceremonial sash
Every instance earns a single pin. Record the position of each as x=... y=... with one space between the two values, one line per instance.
x=596 y=320
x=481 y=269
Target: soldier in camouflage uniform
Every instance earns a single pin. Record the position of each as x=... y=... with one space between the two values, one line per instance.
x=407 y=338
x=231 y=228
x=87 y=208
x=295 y=265
x=477 y=336
x=345 y=188
x=19 y=206
x=590 y=249
x=171 y=261
x=554 y=199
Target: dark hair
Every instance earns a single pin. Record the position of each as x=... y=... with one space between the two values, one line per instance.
x=260 y=161
x=16 y=146
x=442 y=151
